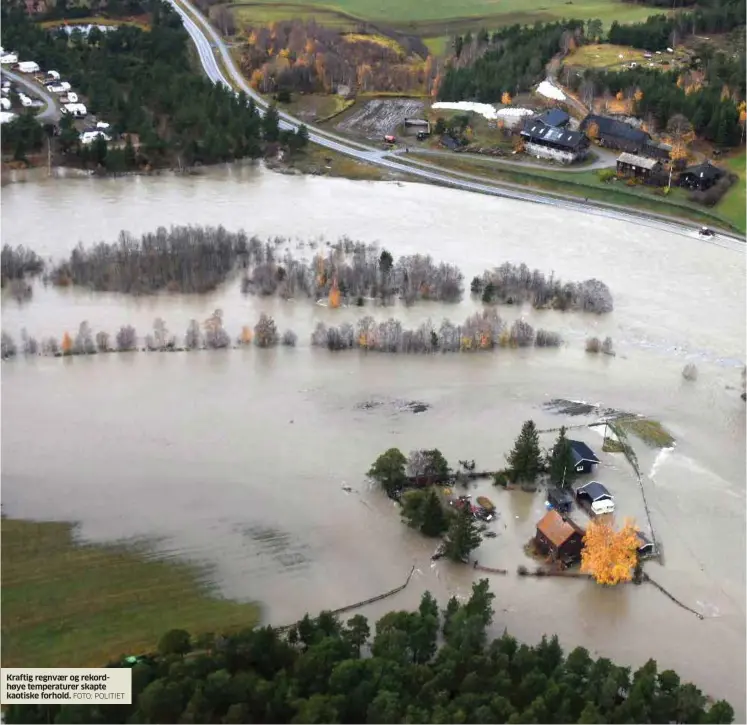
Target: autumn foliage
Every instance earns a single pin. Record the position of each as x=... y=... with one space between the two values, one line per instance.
x=610 y=556
x=67 y=344
x=334 y=295
x=302 y=56
x=506 y=98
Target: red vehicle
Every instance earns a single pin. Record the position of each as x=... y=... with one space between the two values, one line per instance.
x=390 y=139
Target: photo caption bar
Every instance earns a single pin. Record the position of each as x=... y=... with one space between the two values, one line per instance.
x=65 y=685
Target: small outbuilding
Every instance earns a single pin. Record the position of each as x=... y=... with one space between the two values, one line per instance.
x=559 y=537
x=584 y=459
x=700 y=177
x=560 y=499
x=596 y=497
x=646 y=546
x=637 y=167
x=28 y=66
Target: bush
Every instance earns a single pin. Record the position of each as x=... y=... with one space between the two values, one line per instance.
x=690 y=372
x=175 y=642
x=606 y=175
x=711 y=197
x=608 y=347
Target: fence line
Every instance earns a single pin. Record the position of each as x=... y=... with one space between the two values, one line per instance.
x=365 y=602
x=647 y=578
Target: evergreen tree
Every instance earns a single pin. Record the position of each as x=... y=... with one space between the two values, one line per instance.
x=271 y=124
x=463 y=535
x=525 y=460
x=302 y=136
x=434 y=521
x=560 y=462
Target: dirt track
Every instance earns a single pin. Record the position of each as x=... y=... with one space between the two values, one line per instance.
x=376 y=118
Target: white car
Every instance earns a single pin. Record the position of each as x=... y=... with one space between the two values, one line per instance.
x=70 y=98
x=26 y=102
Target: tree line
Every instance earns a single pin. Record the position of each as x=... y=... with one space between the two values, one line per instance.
x=479 y=332
x=516 y=284
x=713 y=110
x=208 y=335
x=428 y=665
x=143 y=83
x=511 y=60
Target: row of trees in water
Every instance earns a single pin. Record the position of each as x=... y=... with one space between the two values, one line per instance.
x=482 y=331
x=430 y=665
x=195 y=259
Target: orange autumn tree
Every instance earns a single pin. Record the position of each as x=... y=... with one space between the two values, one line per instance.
x=592 y=130
x=67 y=344
x=610 y=556
x=246 y=335
x=506 y=99
x=334 y=294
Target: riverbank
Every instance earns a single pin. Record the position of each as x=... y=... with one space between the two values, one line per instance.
x=67 y=604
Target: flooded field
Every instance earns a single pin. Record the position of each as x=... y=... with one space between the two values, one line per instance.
x=238 y=458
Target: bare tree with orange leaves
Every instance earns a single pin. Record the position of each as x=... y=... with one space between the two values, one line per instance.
x=67 y=344
x=610 y=556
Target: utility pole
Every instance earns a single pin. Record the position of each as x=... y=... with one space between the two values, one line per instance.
x=49 y=156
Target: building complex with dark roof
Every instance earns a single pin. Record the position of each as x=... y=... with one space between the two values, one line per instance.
x=555 y=117
x=550 y=142
x=700 y=177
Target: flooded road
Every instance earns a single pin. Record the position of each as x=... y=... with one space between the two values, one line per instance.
x=238 y=458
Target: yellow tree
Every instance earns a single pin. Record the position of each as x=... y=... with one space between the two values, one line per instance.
x=246 y=335
x=506 y=98
x=592 y=130
x=610 y=556
x=67 y=344
x=619 y=95
x=638 y=95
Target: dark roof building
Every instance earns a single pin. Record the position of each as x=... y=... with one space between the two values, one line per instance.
x=583 y=457
x=701 y=177
x=450 y=142
x=637 y=166
x=616 y=134
x=539 y=133
x=646 y=547
x=560 y=499
x=555 y=117
x=559 y=537
x=593 y=491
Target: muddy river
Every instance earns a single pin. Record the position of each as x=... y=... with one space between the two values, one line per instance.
x=238 y=458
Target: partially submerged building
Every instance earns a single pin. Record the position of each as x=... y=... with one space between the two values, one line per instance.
x=595 y=497
x=559 y=537
x=584 y=459
x=549 y=142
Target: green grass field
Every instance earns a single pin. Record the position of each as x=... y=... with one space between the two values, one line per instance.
x=581 y=184
x=734 y=205
x=65 y=605
x=436 y=20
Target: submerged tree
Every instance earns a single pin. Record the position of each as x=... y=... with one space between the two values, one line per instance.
x=610 y=556
x=463 y=535
x=389 y=471
x=126 y=338
x=7 y=346
x=423 y=510
x=525 y=460
x=265 y=332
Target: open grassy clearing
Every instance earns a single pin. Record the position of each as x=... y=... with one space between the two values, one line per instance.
x=617 y=57
x=734 y=204
x=651 y=432
x=264 y=14
x=584 y=184
x=69 y=605
x=140 y=22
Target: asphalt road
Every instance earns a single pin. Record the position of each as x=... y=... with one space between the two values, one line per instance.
x=50 y=113
x=208 y=42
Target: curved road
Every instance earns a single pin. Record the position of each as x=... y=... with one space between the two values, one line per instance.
x=50 y=113
x=206 y=40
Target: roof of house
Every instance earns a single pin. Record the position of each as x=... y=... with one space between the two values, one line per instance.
x=536 y=130
x=611 y=127
x=555 y=117
x=705 y=171
x=582 y=452
x=594 y=490
x=645 y=541
x=556 y=529
x=640 y=162
x=559 y=495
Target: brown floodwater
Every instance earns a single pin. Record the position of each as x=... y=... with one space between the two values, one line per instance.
x=238 y=458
